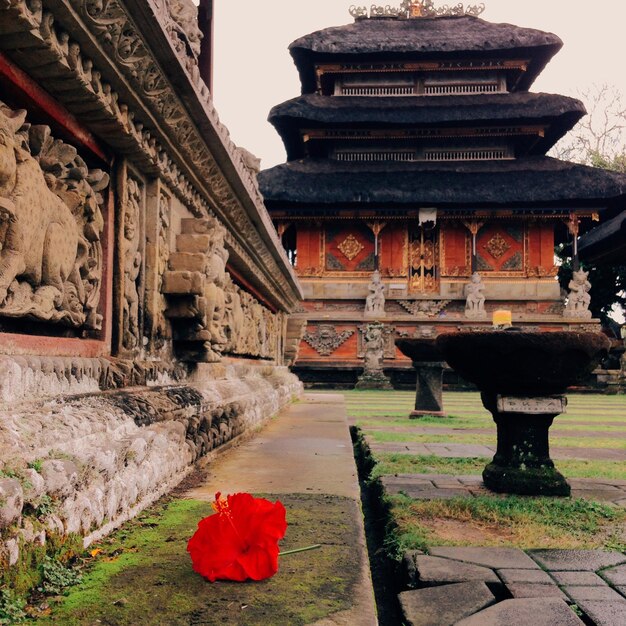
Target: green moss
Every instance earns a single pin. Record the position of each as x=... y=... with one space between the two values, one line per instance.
x=144 y=571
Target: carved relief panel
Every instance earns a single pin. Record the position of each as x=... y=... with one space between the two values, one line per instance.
x=52 y=218
x=130 y=279
x=501 y=248
x=158 y=224
x=388 y=336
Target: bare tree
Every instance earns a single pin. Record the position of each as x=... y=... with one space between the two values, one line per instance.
x=600 y=137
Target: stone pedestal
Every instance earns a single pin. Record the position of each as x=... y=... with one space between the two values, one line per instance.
x=428 y=389
x=522 y=463
x=375 y=379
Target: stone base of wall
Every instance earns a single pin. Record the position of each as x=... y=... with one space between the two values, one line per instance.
x=84 y=464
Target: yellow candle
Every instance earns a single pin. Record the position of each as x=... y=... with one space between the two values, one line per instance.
x=502 y=318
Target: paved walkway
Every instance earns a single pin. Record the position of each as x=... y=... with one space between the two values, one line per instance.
x=306 y=450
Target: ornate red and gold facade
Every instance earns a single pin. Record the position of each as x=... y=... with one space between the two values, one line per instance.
x=417 y=150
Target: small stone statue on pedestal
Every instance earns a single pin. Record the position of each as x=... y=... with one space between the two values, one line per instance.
x=578 y=299
x=375 y=301
x=475 y=303
x=373 y=376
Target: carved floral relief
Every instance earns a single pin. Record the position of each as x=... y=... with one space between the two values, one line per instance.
x=51 y=224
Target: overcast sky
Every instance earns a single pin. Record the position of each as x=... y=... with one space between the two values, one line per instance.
x=254 y=71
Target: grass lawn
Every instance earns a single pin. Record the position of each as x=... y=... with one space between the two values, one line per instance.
x=592 y=421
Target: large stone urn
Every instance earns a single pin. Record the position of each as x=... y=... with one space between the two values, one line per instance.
x=428 y=364
x=522 y=377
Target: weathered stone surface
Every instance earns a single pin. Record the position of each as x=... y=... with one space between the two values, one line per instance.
x=184 y=283
x=535 y=590
x=60 y=476
x=188 y=261
x=615 y=575
x=525 y=576
x=431 y=570
x=193 y=243
x=535 y=611
x=444 y=605
x=576 y=560
x=11 y=501
x=605 y=613
x=497 y=558
x=588 y=579
x=579 y=593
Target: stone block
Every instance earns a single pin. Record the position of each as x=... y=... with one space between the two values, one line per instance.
x=183 y=283
x=188 y=261
x=615 y=575
x=11 y=501
x=589 y=579
x=580 y=593
x=576 y=560
x=496 y=558
x=193 y=243
x=524 y=612
x=444 y=605
x=535 y=590
x=525 y=576
x=604 y=613
x=430 y=570
x=190 y=307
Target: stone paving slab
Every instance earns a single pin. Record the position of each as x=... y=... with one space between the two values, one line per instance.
x=542 y=583
x=615 y=575
x=445 y=605
x=437 y=486
x=495 y=558
x=525 y=612
x=604 y=613
x=589 y=579
x=535 y=590
x=576 y=560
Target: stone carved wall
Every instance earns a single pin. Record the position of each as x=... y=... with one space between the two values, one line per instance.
x=51 y=225
x=34 y=30
x=210 y=315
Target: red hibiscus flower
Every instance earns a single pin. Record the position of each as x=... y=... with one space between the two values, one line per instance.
x=240 y=541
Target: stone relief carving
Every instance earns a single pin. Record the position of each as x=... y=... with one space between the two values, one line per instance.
x=161 y=330
x=182 y=26
x=475 y=298
x=50 y=227
x=373 y=376
x=578 y=298
x=325 y=340
x=375 y=300
x=424 y=308
x=132 y=237
x=116 y=33
x=388 y=337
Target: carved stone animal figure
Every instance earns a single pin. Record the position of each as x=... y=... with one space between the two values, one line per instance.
x=39 y=233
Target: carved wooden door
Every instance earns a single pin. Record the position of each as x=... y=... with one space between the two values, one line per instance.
x=423 y=258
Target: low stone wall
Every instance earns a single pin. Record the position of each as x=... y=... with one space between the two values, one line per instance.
x=84 y=464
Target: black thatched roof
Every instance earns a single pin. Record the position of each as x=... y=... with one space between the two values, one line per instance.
x=423 y=39
x=606 y=242
x=559 y=113
x=540 y=182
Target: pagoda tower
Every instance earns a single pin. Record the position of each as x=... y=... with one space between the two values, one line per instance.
x=417 y=192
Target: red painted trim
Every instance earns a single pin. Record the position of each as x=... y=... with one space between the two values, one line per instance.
x=51 y=346
x=26 y=89
x=244 y=284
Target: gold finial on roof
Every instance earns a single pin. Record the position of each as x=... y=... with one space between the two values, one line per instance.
x=411 y=9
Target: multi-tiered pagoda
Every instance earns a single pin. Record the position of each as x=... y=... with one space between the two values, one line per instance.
x=417 y=171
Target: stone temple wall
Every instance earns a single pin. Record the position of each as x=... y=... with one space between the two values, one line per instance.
x=144 y=294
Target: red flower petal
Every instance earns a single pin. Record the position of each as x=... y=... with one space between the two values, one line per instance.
x=240 y=540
